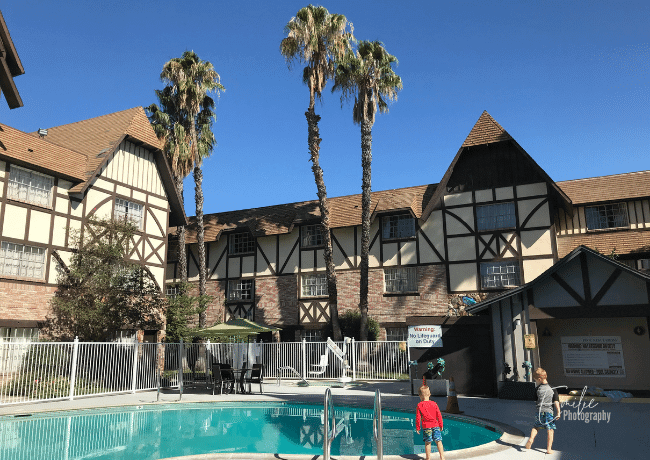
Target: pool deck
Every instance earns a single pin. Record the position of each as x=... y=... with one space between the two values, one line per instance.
x=623 y=437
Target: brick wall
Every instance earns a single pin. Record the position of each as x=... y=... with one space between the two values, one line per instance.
x=25 y=301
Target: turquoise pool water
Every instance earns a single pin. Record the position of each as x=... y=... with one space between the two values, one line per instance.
x=153 y=432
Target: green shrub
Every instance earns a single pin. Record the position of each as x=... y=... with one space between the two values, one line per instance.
x=350 y=322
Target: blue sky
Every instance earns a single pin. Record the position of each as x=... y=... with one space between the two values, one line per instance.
x=569 y=80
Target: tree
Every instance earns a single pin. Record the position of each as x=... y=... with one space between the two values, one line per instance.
x=367 y=76
x=182 y=307
x=101 y=292
x=318 y=39
x=190 y=79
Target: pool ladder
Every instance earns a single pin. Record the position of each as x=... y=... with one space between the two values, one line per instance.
x=377 y=425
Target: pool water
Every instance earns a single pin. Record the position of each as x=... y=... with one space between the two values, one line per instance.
x=153 y=432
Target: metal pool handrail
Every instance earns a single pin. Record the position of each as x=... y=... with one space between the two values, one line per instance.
x=327 y=439
x=377 y=425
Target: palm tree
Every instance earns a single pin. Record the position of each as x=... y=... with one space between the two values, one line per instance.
x=318 y=39
x=170 y=127
x=368 y=77
x=190 y=80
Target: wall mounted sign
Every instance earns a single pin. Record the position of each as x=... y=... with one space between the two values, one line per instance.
x=529 y=341
x=593 y=356
x=425 y=336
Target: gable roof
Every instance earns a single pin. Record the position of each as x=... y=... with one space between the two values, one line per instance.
x=77 y=151
x=10 y=66
x=345 y=211
x=552 y=270
x=40 y=155
x=487 y=131
x=608 y=188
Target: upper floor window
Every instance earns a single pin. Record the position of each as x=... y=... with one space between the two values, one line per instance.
x=21 y=260
x=495 y=216
x=172 y=291
x=314 y=285
x=240 y=289
x=606 y=216
x=400 y=226
x=401 y=279
x=128 y=210
x=30 y=186
x=500 y=274
x=312 y=236
x=241 y=243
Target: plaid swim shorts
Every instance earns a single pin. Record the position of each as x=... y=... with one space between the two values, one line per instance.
x=431 y=434
x=544 y=420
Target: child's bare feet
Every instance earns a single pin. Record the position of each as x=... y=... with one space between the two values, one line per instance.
x=529 y=445
x=549 y=451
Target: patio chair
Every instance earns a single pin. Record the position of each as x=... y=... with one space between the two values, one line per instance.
x=222 y=377
x=242 y=379
x=256 y=377
x=321 y=366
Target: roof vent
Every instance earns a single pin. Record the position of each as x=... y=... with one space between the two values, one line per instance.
x=42 y=132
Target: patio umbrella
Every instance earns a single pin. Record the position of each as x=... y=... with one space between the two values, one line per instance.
x=225 y=330
x=251 y=325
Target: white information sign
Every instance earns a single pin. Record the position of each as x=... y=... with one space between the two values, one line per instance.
x=593 y=356
x=425 y=336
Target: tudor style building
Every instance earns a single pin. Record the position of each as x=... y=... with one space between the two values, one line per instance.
x=483 y=229
x=53 y=181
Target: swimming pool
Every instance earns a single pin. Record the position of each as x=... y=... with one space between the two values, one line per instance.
x=161 y=431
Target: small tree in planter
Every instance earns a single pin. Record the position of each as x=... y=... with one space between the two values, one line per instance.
x=435 y=369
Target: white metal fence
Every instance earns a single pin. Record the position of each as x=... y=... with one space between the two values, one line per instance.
x=39 y=371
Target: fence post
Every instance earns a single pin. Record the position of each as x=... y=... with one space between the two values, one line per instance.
x=303 y=369
x=208 y=361
x=73 y=366
x=354 y=359
x=134 y=372
x=157 y=367
x=180 y=371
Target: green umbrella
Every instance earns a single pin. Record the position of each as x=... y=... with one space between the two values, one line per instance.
x=225 y=330
x=251 y=325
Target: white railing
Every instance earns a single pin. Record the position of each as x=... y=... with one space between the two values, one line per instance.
x=39 y=371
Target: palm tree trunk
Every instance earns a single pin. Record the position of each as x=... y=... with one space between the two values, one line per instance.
x=180 y=233
x=314 y=150
x=198 y=189
x=366 y=161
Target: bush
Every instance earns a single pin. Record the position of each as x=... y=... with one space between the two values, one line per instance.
x=350 y=322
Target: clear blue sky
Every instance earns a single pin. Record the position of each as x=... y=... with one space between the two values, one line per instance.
x=569 y=80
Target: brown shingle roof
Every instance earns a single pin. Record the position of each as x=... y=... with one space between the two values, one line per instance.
x=624 y=242
x=345 y=211
x=608 y=188
x=486 y=131
x=102 y=135
x=28 y=150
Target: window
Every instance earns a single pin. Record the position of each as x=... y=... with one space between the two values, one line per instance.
x=312 y=335
x=499 y=274
x=495 y=216
x=23 y=261
x=314 y=285
x=240 y=290
x=401 y=226
x=311 y=236
x=30 y=186
x=19 y=334
x=400 y=279
x=241 y=243
x=172 y=291
x=397 y=334
x=127 y=210
x=643 y=264
x=606 y=216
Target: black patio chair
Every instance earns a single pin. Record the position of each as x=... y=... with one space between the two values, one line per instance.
x=256 y=377
x=242 y=380
x=223 y=378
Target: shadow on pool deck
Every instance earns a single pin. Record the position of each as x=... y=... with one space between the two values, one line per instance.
x=623 y=437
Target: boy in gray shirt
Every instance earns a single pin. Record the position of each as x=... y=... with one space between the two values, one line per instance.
x=547 y=397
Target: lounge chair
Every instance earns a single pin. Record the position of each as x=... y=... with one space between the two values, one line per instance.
x=256 y=377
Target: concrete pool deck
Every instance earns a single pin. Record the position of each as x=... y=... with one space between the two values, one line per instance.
x=623 y=437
